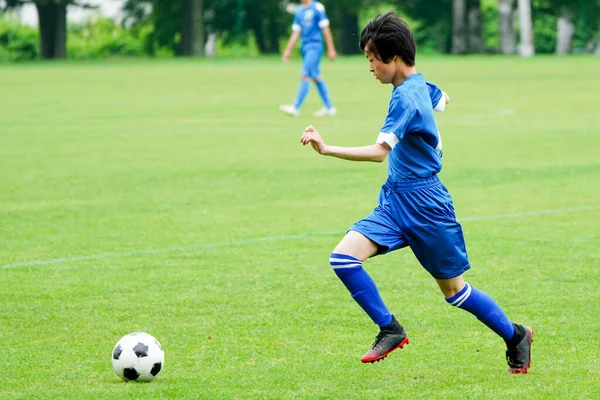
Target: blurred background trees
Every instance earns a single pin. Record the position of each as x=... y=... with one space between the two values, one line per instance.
x=165 y=28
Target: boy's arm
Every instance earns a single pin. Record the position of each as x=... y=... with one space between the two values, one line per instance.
x=290 y=45
x=375 y=152
x=439 y=98
x=331 y=53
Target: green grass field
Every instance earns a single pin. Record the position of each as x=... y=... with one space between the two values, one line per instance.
x=172 y=197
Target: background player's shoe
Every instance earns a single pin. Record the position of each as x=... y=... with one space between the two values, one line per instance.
x=390 y=338
x=325 y=112
x=519 y=356
x=290 y=110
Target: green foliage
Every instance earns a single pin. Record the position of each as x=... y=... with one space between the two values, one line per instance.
x=102 y=38
x=544 y=28
x=587 y=33
x=235 y=48
x=17 y=42
x=491 y=29
x=251 y=27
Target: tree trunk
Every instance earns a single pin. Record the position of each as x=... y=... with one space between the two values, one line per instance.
x=459 y=40
x=349 y=33
x=192 y=28
x=565 y=31
x=475 y=18
x=211 y=45
x=506 y=27
x=597 y=51
x=526 y=48
x=53 y=30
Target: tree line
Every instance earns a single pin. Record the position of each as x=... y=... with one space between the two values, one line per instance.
x=446 y=26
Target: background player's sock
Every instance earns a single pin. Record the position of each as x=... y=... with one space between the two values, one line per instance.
x=485 y=309
x=301 y=94
x=361 y=287
x=324 y=92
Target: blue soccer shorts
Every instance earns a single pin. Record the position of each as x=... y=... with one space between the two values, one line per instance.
x=311 y=60
x=419 y=214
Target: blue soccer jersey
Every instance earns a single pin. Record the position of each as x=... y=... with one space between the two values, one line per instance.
x=415 y=209
x=411 y=132
x=309 y=20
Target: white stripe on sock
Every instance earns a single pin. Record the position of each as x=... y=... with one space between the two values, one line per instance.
x=458 y=302
x=346 y=266
x=333 y=259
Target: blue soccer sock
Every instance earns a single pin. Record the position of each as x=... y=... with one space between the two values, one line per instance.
x=324 y=92
x=485 y=309
x=301 y=94
x=361 y=287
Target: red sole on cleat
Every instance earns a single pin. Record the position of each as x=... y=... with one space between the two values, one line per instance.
x=381 y=357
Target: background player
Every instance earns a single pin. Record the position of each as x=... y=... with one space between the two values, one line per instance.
x=311 y=25
x=415 y=208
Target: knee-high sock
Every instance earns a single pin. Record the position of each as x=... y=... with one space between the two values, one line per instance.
x=324 y=92
x=361 y=287
x=481 y=305
x=301 y=94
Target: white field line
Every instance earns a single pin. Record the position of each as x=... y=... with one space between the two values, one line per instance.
x=277 y=238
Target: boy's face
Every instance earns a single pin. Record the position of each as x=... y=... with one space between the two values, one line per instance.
x=384 y=72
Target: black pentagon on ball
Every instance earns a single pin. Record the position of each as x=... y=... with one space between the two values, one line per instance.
x=140 y=350
x=117 y=352
x=156 y=368
x=130 y=373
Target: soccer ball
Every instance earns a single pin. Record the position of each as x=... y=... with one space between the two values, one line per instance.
x=138 y=357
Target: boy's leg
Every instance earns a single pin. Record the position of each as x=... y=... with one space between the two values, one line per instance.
x=439 y=245
x=518 y=338
x=460 y=294
x=312 y=69
x=324 y=93
x=346 y=261
x=310 y=63
x=302 y=92
x=294 y=109
x=328 y=108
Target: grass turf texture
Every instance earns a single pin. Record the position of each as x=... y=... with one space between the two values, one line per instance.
x=129 y=163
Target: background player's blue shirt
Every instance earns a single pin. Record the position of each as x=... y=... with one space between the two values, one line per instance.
x=309 y=20
x=411 y=131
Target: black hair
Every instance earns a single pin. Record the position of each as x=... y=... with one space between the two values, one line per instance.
x=388 y=36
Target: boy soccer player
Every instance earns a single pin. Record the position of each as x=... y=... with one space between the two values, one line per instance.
x=415 y=208
x=310 y=24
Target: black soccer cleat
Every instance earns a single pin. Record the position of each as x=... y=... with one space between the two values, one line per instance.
x=390 y=338
x=519 y=355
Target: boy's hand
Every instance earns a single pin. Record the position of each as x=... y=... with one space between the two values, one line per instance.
x=332 y=54
x=313 y=137
x=286 y=55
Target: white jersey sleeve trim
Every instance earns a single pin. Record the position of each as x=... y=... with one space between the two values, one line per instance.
x=296 y=28
x=441 y=105
x=388 y=138
x=324 y=23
